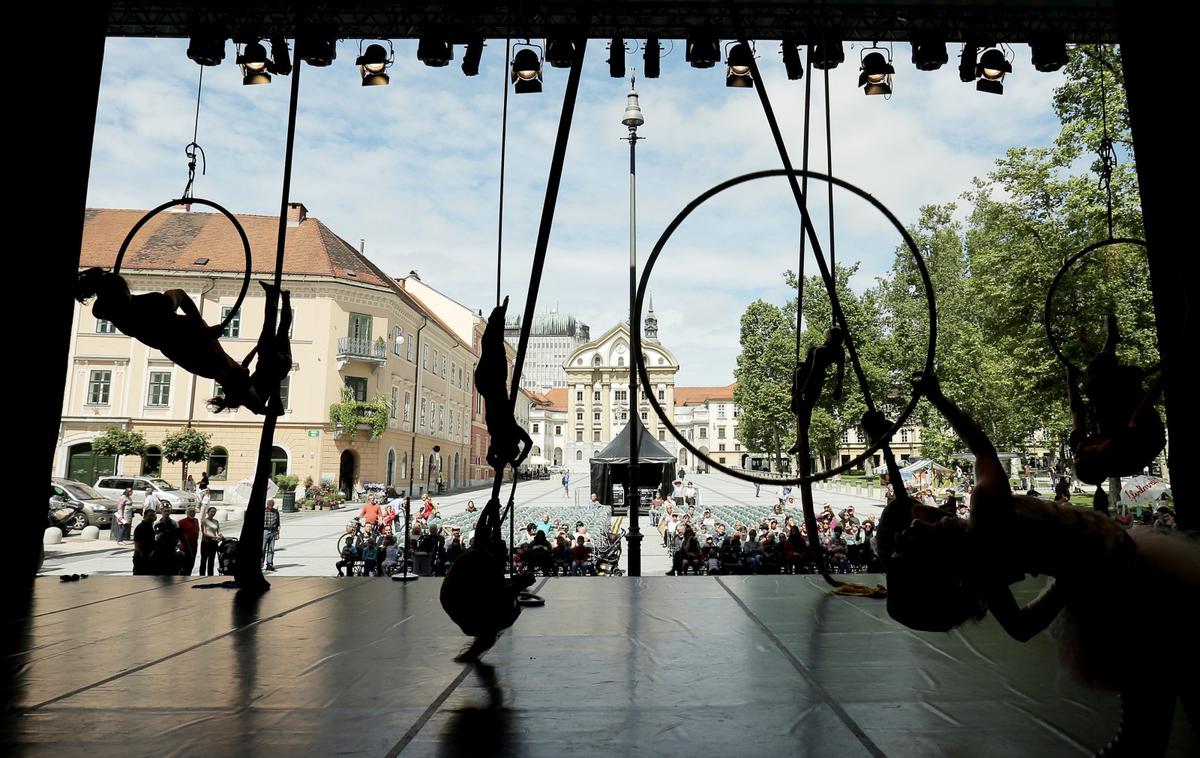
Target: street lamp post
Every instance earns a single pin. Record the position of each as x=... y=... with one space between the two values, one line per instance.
x=633 y=119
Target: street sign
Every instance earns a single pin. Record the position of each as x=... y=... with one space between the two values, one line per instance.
x=314 y=432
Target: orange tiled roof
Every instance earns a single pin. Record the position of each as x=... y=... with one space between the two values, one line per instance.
x=174 y=241
x=557 y=398
x=696 y=395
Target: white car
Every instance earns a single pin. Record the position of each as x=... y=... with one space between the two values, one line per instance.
x=180 y=501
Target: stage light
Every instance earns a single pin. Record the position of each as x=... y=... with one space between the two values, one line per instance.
x=1049 y=51
x=875 y=75
x=930 y=54
x=317 y=48
x=281 y=61
x=560 y=52
x=373 y=64
x=826 y=55
x=791 y=59
x=434 y=51
x=991 y=69
x=651 y=56
x=737 y=66
x=207 y=48
x=470 y=64
x=616 y=58
x=253 y=60
x=526 y=71
x=702 y=51
x=966 y=63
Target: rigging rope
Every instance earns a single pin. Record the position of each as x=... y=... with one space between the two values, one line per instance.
x=192 y=147
x=503 y=150
x=803 y=236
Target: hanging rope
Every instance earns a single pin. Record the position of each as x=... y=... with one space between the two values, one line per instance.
x=503 y=151
x=193 y=147
x=1107 y=153
x=829 y=170
x=804 y=189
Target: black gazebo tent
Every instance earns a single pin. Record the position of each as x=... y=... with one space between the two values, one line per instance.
x=656 y=464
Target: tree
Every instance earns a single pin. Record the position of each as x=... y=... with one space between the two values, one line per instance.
x=117 y=442
x=763 y=375
x=187 y=445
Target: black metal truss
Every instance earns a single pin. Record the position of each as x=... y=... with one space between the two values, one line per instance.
x=806 y=20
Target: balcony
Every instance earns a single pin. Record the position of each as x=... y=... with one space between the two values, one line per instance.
x=357 y=349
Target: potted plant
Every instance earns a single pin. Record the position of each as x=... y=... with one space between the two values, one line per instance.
x=287 y=488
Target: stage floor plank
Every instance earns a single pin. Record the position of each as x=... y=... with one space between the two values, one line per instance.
x=695 y=666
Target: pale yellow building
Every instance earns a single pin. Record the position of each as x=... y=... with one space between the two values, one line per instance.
x=353 y=327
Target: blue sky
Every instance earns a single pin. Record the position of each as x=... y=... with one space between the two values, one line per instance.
x=413 y=168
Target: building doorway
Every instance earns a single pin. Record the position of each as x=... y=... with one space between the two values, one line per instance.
x=84 y=465
x=347 y=474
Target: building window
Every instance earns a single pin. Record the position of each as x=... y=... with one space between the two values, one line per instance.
x=218 y=461
x=235 y=327
x=595 y=396
x=579 y=435
x=398 y=340
x=360 y=327
x=443 y=367
x=846 y=437
x=624 y=416
x=442 y=419
x=720 y=432
x=409 y=354
x=279 y=461
x=596 y=416
x=285 y=392
x=358 y=388
x=620 y=361
x=721 y=411
x=160 y=389
x=579 y=453
x=579 y=397
x=737 y=411
x=407 y=406
x=662 y=395
x=662 y=435
x=535 y=428
x=579 y=416
x=422 y=411
x=425 y=357
x=596 y=436
x=395 y=400
x=621 y=395
x=904 y=435
x=98 y=387
x=721 y=447
x=557 y=430
x=644 y=416
x=105 y=327
x=704 y=432
x=152 y=461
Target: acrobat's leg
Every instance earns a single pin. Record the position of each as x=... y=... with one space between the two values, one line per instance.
x=1113 y=336
x=525 y=442
x=989 y=473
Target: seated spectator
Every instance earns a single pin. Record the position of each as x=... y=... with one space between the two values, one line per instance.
x=370 y=558
x=689 y=494
x=731 y=554
x=455 y=548
x=581 y=558
x=686 y=557
x=471 y=506
x=391 y=555
x=847 y=516
x=538 y=554
x=795 y=551
x=708 y=520
x=434 y=544
x=711 y=556
x=752 y=552
x=720 y=536
x=595 y=501
x=1165 y=520
x=852 y=533
x=839 y=561
x=826 y=514
x=581 y=531
x=544 y=524
x=348 y=559
x=778 y=509
x=562 y=553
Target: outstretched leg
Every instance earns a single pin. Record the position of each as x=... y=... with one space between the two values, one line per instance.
x=989 y=473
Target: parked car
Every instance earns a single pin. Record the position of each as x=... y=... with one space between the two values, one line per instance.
x=94 y=508
x=177 y=499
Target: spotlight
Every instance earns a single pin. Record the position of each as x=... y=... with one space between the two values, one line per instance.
x=702 y=51
x=207 y=48
x=616 y=58
x=281 y=61
x=651 y=57
x=253 y=60
x=470 y=64
x=929 y=54
x=434 y=51
x=737 y=66
x=791 y=59
x=966 y=63
x=373 y=64
x=560 y=52
x=317 y=48
x=876 y=74
x=825 y=55
x=526 y=71
x=991 y=69
x=1049 y=51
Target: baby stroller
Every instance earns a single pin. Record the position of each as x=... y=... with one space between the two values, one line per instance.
x=227 y=556
x=607 y=555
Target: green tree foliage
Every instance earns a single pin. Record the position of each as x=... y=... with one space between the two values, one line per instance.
x=187 y=445
x=763 y=375
x=117 y=442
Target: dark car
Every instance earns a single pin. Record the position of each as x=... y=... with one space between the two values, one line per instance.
x=95 y=508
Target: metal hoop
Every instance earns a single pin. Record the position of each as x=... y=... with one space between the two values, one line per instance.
x=1048 y=313
x=237 y=306
x=926 y=370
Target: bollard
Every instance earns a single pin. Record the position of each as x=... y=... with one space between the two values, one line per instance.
x=52 y=536
x=90 y=533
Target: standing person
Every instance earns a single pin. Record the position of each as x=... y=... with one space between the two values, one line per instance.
x=202 y=489
x=143 y=544
x=757 y=488
x=189 y=484
x=124 y=516
x=189 y=536
x=566 y=483
x=165 y=557
x=153 y=502
x=271 y=533
x=210 y=537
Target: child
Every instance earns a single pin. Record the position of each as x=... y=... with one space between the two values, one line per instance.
x=349 y=556
x=370 y=557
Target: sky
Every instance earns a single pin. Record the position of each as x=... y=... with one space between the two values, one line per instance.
x=412 y=169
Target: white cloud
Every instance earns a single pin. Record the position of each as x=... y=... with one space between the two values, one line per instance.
x=413 y=169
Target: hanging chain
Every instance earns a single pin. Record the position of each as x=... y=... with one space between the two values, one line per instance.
x=193 y=148
x=1106 y=152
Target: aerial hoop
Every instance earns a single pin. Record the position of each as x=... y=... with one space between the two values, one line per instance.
x=237 y=306
x=926 y=371
x=1048 y=313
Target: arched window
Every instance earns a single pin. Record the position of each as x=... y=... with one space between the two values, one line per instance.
x=579 y=455
x=218 y=463
x=404 y=467
x=279 y=461
x=621 y=361
x=596 y=361
x=391 y=468
x=152 y=461
x=420 y=466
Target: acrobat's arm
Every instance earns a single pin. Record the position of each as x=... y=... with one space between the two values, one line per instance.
x=1023 y=624
x=525 y=443
x=988 y=470
x=181 y=301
